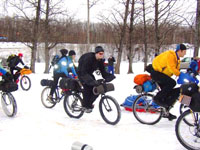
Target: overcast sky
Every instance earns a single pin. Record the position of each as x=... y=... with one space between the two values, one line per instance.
x=79 y=8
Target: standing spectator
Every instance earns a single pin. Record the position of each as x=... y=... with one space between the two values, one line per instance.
x=111 y=61
x=193 y=67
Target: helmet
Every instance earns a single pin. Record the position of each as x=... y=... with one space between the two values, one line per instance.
x=64 y=52
x=20 y=55
x=72 y=52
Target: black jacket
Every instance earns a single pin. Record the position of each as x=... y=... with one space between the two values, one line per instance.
x=87 y=65
x=15 y=61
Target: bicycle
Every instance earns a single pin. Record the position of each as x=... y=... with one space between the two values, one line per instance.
x=108 y=106
x=57 y=96
x=8 y=104
x=187 y=129
x=8 y=101
x=25 y=81
x=145 y=110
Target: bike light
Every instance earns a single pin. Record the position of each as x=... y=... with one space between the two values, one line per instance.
x=63 y=63
x=55 y=66
x=71 y=65
x=186 y=80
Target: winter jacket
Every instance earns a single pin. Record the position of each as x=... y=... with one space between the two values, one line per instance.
x=168 y=63
x=15 y=61
x=62 y=66
x=87 y=65
x=194 y=66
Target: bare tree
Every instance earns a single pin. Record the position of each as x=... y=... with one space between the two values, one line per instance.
x=197 y=28
x=131 y=34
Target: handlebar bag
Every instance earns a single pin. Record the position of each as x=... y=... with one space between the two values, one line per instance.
x=46 y=82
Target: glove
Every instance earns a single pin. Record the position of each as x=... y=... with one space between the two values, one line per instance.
x=110 y=78
x=26 y=67
x=76 y=77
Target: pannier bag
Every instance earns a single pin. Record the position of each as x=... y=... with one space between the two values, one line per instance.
x=149 y=86
x=189 y=89
x=195 y=102
x=68 y=83
x=46 y=82
x=8 y=86
x=101 y=89
x=141 y=78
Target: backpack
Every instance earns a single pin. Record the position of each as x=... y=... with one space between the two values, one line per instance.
x=55 y=60
x=10 y=57
x=141 y=78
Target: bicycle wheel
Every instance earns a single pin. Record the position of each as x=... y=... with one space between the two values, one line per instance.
x=145 y=112
x=44 y=97
x=72 y=105
x=109 y=110
x=25 y=83
x=188 y=135
x=9 y=104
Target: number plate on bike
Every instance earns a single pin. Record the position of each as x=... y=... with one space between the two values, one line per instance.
x=184 y=99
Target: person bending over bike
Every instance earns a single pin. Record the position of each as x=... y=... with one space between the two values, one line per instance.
x=164 y=66
x=13 y=65
x=88 y=63
x=7 y=76
x=60 y=70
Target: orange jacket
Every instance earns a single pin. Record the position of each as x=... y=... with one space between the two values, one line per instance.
x=167 y=63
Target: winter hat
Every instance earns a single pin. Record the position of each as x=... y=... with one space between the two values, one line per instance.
x=180 y=47
x=99 y=49
x=64 y=52
x=72 y=52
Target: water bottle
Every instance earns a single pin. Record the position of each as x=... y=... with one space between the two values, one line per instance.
x=80 y=146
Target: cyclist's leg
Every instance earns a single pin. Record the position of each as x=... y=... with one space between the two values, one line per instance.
x=88 y=96
x=54 y=84
x=166 y=83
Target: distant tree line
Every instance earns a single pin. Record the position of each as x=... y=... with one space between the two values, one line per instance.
x=69 y=31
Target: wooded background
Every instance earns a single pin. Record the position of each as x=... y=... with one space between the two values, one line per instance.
x=152 y=24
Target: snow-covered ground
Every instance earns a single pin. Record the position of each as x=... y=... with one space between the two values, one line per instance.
x=36 y=127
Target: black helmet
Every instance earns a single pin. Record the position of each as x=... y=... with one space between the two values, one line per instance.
x=99 y=49
x=64 y=52
x=72 y=52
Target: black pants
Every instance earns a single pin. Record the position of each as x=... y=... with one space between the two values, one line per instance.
x=168 y=93
x=56 y=77
x=17 y=74
x=88 y=96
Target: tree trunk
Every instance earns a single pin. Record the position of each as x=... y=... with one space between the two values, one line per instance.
x=131 y=34
x=145 y=36
x=35 y=35
x=122 y=36
x=47 y=38
x=197 y=26
x=157 y=36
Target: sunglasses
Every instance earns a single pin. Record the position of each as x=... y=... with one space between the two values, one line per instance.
x=101 y=53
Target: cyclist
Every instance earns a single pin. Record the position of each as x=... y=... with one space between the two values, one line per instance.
x=13 y=64
x=88 y=63
x=72 y=55
x=60 y=70
x=164 y=66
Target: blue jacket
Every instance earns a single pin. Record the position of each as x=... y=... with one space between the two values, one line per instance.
x=3 y=71
x=193 y=66
x=63 y=65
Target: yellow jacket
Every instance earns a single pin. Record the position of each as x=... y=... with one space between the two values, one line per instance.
x=167 y=63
